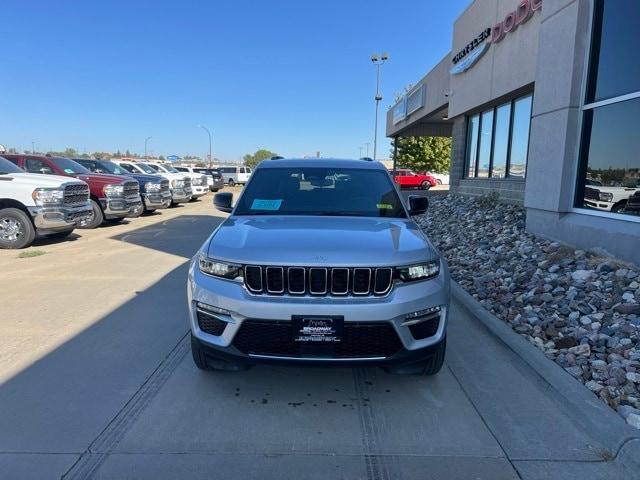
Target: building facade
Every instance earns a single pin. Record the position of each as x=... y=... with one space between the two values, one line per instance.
x=541 y=98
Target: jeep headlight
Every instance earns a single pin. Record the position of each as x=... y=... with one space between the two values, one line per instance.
x=421 y=271
x=47 y=196
x=606 y=196
x=218 y=268
x=152 y=187
x=113 y=190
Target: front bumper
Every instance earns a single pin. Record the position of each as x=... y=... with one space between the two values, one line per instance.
x=199 y=191
x=120 y=207
x=599 y=205
x=156 y=201
x=59 y=219
x=390 y=310
x=181 y=195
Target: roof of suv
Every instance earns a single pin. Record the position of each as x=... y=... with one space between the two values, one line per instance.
x=320 y=163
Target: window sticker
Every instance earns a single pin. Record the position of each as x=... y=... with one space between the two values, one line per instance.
x=69 y=170
x=384 y=206
x=266 y=204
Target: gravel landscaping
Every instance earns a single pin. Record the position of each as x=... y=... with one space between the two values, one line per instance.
x=581 y=309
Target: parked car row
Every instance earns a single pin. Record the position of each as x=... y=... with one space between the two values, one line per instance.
x=51 y=196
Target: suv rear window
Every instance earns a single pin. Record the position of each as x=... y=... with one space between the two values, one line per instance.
x=321 y=191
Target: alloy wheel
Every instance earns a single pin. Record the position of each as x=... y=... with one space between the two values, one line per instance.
x=10 y=229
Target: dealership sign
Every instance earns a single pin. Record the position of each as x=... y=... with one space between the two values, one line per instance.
x=474 y=50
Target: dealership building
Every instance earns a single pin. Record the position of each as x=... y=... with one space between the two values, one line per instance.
x=542 y=101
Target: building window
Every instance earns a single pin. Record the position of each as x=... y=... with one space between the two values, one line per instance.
x=501 y=142
x=609 y=176
x=473 y=128
x=498 y=140
x=486 y=140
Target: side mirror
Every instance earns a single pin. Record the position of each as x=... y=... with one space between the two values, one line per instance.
x=418 y=205
x=223 y=201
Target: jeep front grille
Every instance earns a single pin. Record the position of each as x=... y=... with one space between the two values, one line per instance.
x=76 y=194
x=318 y=281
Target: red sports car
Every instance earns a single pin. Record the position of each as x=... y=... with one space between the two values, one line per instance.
x=407 y=179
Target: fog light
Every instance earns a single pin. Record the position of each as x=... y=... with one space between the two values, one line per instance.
x=211 y=309
x=417 y=317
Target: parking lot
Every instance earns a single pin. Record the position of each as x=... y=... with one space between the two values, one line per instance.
x=96 y=381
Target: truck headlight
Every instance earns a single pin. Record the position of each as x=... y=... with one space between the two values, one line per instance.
x=47 y=196
x=177 y=183
x=152 y=187
x=218 y=268
x=113 y=190
x=606 y=196
x=420 y=271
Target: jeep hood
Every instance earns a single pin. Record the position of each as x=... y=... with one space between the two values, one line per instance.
x=320 y=241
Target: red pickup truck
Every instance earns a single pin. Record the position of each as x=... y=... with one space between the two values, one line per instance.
x=113 y=197
x=407 y=179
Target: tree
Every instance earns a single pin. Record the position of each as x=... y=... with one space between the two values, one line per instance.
x=424 y=154
x=253 y=160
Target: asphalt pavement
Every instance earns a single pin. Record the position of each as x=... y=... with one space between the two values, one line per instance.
x=96 y=381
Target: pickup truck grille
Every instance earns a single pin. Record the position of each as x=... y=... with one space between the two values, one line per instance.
x=187 y=182
x=591 y=193
x=318 y=281
x=164 y=186
x=75 y=194
x=131 y=189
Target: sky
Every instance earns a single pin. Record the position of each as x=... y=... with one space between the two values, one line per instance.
x=294 y=77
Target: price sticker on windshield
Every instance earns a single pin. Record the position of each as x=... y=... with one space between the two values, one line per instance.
x=266 y=204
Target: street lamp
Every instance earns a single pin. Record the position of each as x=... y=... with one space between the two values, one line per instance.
x=377 y=61
x=146 y=140
x=208 y=133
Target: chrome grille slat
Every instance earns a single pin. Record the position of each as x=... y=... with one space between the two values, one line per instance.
x=359 y=278
x=76 y=194
x=321 y=278
x=318 y=281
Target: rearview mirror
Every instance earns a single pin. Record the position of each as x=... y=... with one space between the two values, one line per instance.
x=418 y=205
x=223 y=201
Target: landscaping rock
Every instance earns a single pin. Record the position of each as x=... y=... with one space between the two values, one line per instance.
x=580 y=308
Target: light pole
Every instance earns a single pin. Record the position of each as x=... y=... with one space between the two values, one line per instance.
x=208 y=133
x=367 y=144
x=360 y=147
x=377 y=61
x=146 y=140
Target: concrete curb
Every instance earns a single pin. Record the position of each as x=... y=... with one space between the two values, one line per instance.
x=597 y=419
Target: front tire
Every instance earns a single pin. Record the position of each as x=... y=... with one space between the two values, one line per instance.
x=431 y=366
x=208 y=364
x=231 y=182
x=439 y=182
x=16 y=229
x=425 y=185
x=98 y=217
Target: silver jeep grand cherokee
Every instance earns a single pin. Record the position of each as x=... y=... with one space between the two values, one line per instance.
x=319 y=263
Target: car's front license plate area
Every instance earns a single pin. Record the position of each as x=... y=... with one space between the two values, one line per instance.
x=317 y=330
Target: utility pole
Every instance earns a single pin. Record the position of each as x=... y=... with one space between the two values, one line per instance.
x=33 y=148
x=360 y=147
x=146 y=140
x=378 y=61
x=208 y=133
x=367 y=144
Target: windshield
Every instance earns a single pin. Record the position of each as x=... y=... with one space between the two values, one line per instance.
x=7 y=167
x=69 y=166
x=170 y=169
x=146 y=168
x=112 y=168
x=320 y=191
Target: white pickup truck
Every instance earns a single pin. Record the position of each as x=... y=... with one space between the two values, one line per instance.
x=32 y=204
